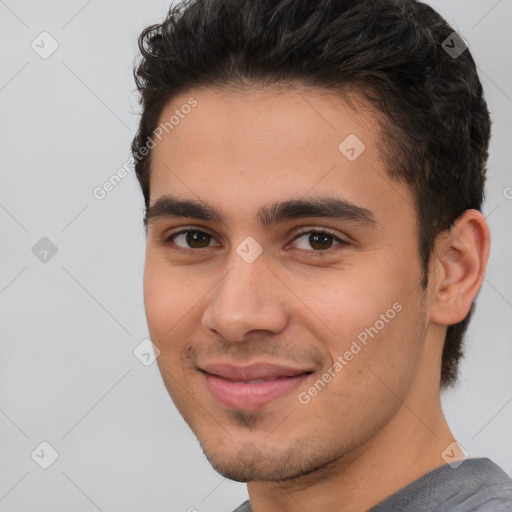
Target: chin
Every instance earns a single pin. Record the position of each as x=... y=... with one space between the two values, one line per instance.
x=250 y=463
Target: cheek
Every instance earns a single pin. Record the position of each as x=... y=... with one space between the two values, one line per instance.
x=158 y=301
x=370 y=321
x=376 y=370
x=344 y=304
x=168 y=299
x=167 y=303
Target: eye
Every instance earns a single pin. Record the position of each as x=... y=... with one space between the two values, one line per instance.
x=190 y=239
x=319 y=239
x=322 y=241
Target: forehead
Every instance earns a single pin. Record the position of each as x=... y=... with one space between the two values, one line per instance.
x=232 y=123
x=260 y=146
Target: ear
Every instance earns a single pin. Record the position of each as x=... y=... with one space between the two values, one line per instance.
x=458 y=268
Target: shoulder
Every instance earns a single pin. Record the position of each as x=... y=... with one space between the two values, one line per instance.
x=477 y=485
x=244 y=507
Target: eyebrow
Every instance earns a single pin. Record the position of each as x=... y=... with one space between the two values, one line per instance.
x=267 y=216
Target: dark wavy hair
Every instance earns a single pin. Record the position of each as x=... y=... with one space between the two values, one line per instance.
x=434 y=122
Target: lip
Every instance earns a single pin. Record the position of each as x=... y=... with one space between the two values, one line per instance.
x=229 y=384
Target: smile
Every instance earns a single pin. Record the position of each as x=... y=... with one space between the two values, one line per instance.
x=251 y=394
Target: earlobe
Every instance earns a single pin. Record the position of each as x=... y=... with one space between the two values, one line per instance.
x=460 y=259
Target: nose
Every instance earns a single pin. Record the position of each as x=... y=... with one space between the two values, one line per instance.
x=248 y=298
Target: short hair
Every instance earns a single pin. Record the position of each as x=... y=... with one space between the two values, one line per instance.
x=433 y=119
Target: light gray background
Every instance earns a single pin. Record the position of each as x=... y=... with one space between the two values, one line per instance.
x=69 y=326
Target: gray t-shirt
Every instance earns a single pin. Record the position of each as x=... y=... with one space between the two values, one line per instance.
x=477 y=485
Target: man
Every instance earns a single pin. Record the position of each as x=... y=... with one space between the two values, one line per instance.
x=313 y=174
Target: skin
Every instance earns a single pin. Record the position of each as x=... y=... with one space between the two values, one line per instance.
x=378 y=424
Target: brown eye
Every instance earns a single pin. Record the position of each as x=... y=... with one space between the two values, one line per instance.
x=190 y=239
x=319 y=240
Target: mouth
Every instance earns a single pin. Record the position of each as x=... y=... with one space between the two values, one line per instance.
x=254 y=386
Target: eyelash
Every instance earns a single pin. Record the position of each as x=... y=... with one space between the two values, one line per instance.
x=320 y=253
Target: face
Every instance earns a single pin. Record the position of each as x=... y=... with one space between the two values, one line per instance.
x=282 y=279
